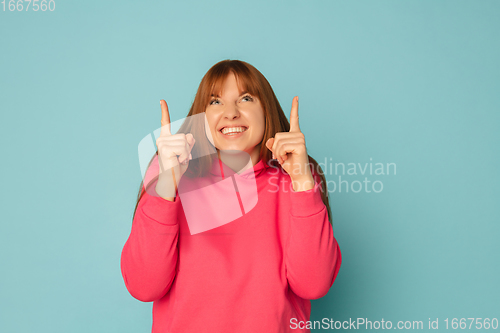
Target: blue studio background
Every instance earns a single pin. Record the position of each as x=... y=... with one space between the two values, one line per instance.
x=412 y=83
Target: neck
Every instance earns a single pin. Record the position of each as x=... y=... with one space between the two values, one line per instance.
x=238 y=161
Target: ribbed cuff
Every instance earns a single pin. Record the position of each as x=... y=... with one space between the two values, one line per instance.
x=306 y=203
x=161 y=210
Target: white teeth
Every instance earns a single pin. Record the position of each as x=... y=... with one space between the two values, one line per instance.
x=233 y=130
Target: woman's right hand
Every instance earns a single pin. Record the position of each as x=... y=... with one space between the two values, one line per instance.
x=174 y=153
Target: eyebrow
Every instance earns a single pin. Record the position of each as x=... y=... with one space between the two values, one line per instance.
x=243 y=93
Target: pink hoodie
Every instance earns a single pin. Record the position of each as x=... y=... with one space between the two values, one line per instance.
x=254 y=274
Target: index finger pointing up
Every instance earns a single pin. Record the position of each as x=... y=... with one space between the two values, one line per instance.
x=294 y=115
x=165 y=119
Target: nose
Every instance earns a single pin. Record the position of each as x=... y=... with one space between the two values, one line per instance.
x=231 y=112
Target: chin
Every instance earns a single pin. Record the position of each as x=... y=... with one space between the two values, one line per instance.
x=233 y=150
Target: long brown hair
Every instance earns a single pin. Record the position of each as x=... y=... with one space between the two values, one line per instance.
x=257 y=85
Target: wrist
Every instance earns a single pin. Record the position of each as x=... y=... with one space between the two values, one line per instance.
x=303 y=183
x=165 y=189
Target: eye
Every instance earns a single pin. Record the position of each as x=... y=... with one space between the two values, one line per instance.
x=214 y=100
x=247 y=97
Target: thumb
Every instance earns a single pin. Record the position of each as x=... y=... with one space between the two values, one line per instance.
x=269 y=143
x=190 y=139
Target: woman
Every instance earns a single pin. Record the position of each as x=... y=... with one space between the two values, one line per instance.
x=253 y=273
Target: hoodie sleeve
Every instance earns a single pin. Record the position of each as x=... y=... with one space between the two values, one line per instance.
x=313 y=255
x=149 y=256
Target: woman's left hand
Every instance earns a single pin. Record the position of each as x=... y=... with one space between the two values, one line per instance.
x=290 y=150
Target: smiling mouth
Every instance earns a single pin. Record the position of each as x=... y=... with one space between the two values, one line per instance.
x=233 y=130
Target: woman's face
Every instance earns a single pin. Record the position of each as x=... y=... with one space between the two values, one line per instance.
x=236 y=119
